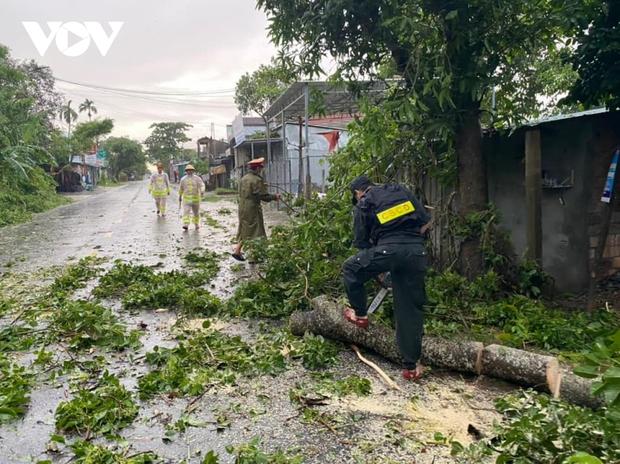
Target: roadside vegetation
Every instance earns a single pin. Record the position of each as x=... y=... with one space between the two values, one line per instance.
x=34 y=151
x=448 y=70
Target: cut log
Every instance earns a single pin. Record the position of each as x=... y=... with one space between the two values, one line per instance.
x=522 y=367
x=517 y=366
x=578 y=390
x=461 y=356
x=327 y=320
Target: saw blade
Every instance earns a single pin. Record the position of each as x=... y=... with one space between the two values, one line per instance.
x=377 y=300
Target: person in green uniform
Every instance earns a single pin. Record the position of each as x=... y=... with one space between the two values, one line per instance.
x=252 y=191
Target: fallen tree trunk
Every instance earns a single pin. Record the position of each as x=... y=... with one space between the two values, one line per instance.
x=518 y=366
x=327 y=320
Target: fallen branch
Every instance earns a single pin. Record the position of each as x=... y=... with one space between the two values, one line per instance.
x=386 y=378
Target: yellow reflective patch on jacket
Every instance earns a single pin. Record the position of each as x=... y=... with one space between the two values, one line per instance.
x=395 y=212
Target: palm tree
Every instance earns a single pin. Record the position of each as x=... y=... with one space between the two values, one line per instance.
x=68 y=115
x=89 y=107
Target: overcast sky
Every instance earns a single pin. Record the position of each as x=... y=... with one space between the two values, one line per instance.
x=165 y=46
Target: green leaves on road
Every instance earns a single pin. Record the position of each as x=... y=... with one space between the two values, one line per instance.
x=140 y=287
x=103 y=410
x=84 y=324
x=15 y=384
x=212 y=358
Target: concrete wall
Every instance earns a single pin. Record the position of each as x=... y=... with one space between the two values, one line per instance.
x=580 y=148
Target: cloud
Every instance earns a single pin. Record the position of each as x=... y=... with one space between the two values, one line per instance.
x=186 y=45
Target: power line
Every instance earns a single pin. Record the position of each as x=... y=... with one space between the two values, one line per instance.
x=163 y=99
x=146 y=92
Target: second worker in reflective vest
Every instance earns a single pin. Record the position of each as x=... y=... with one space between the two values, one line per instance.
x=191 y=189
x=389 y=227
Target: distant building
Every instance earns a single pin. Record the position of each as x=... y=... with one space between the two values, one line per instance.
x=290 y=113
x=220 y=159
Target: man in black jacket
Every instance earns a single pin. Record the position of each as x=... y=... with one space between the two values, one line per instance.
x=389 y=227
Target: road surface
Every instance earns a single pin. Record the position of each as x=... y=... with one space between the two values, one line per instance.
x=120 y=223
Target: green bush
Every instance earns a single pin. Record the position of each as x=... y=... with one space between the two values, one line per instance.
x=538 y=429
x=26 y=196
x=602 y=363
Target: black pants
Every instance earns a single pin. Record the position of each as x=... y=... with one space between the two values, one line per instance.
x=407 y=263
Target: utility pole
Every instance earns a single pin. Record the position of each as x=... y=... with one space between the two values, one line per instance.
x=533 y=194
x=300 y=189
x=307 y=141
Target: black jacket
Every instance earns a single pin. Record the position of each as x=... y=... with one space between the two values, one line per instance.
x=388 y=214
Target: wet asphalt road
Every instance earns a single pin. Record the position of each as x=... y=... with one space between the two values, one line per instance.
x=112 y=222
x=120 y=223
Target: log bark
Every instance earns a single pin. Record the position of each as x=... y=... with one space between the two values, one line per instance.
x=518 y=366
x=522 y=367
x=326 y=319
x=578 y=390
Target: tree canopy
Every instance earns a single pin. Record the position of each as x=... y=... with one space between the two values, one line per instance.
x=597 y=59
x=124 y=155
x=255 y=92
x=89 y=107
x=451 y=55
x=88 y=133
x=166 y=139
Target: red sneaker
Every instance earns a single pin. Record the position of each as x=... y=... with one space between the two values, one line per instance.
x=412 y=374
x=349 y=315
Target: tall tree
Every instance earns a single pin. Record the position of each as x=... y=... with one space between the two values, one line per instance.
x=42 y=90
x=597 y=59
x=451 y=54
x=68 y=115
x=166 y=141
x=89 y=107
x=87 y=134
x=24 y=118
x=23 y=121
x=257 y=91
x=124 y=155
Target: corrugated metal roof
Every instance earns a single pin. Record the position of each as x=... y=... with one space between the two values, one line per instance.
x=561 y=117
x=336 y=98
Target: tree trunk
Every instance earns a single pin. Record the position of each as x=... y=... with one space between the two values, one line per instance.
x=518 y=366
x=472 y=186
